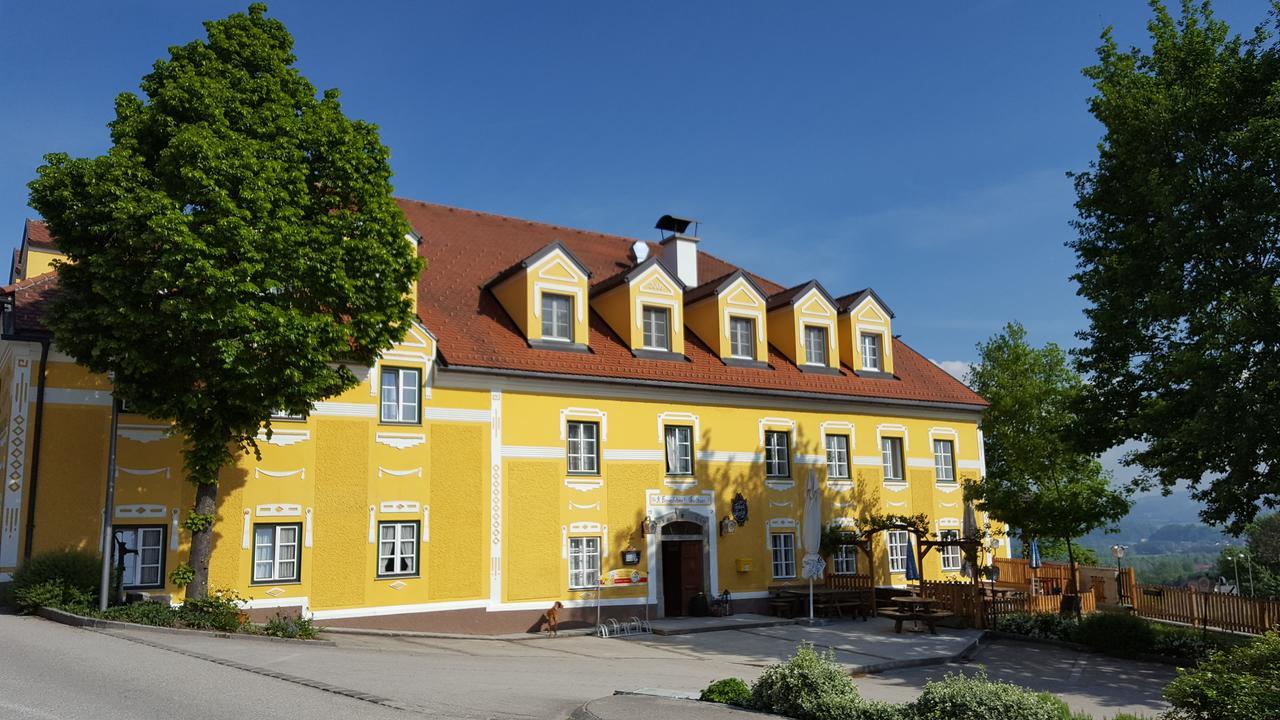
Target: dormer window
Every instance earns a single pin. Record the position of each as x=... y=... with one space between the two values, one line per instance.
x=557 y=317
x=657 y=328
x=815 y=345
x=869 y=344
x=802 y=326
x=742 y=338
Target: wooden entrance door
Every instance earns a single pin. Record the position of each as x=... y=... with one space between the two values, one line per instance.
x=682 y=575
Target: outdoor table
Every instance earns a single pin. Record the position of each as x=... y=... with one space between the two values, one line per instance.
x=914 y=608
x=827 y=597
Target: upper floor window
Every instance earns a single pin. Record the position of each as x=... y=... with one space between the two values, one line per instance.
x=397 y=548
x=944 y=469
x=275 y=553
x=742 y=338
x=891 y=455
x=584 y=447
x=783 y=547
x=141 y=549
x=777 y=462
x=657 y=328
x=584 y=562
x=401 y=388
x=897 y=542
x=557 y=317
x=837 y=456
x=815 y=345
x=869 y=344
x=679 y=441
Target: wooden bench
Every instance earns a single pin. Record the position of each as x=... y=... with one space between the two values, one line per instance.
x=928 y=618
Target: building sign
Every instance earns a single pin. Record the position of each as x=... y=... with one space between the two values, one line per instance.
x=623 y=577
x=677 y=500
x=739 y=509
x=630 y=556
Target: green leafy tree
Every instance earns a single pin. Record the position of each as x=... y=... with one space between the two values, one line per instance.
x=1263 y=539
x=1036 y=481
x=1056 y=549
x=232 y=254
x=1179 y=259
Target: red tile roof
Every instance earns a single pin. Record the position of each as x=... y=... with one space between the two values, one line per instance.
x=37 y=234
x=464 y=249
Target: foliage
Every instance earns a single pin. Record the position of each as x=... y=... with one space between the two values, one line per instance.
x=301 y=628
x=1061 y=710
x=1255 y=577
x=917 y=524
x=730 y=691
x=1119 y=634
x=182 y=575
x=233 y=253
x=974 y=697
x=1043 y=626
x=1263 y=540
x=1056 y=549
x=143 y=613
x=53 y=594
x=1240 y=683
x=75 y=568
x=1176 y=247
x=219 y=610
x=1036 y=481
x=1179 y=642
x=803 y=686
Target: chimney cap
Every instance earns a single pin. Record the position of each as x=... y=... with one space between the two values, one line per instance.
x=676 y=225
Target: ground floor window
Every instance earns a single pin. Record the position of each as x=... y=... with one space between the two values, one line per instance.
x=139 y=552
x=950 y=555
x=846 y=560
x=897 y=551
x=275 y=553
x=584 y=562
x=397 y=548
x=784 y=555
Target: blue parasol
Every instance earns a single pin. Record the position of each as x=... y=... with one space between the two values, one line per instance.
x=1034 y=555
x=913 y=572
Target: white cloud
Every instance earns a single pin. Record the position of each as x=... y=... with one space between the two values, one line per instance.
x=958 y=369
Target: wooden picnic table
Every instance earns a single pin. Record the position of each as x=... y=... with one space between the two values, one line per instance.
x=828 y=599
x=917 y=609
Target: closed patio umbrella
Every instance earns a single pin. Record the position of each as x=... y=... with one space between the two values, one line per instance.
x=1033 y=560
x=811 y=534
x=913 y=571
x=969 y=531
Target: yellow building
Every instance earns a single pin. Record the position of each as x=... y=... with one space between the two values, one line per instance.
x=571 y=405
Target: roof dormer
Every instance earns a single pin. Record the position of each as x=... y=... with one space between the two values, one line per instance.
x=802 y=325
x=866 y=333
x=36 y=253
x=729 y=315
x=546 y=295
x=645 y=306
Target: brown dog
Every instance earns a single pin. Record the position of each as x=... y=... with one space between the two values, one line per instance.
x=553 y=619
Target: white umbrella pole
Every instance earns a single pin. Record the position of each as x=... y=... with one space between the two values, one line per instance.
x=810 y=598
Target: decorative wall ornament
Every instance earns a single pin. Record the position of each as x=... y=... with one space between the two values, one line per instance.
x=780 y=485
x=397 y=585
x=300 y=472
x=275 y=592
x=426 y=524
x=775 y=503
x=400 y=506
x=584 y=527
x=583 y=484
x=576 y=506
x=247 y=527
x=306 y=533
x=143 y=433
x=739 y=508
x=373 y=525
x=840 y=485
x=782 y=523
x=400 y=473
x=143 y=471
x=680 y=483
x=140 y=512
x=283 y=437
x=173 y=532
x=400 y=441
x=578 y=413
x=278 y=510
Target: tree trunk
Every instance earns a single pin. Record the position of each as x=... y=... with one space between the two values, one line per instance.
x=1072 y=586
x=202 y=541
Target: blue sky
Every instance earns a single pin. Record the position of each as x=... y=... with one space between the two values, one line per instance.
x=920 y=149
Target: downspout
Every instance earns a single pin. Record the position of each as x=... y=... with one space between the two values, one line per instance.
x=35 y=453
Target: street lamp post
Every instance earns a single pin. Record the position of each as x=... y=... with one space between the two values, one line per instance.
x=1117 y=551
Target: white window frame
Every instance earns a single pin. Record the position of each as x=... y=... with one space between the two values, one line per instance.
x=677 y=449
x=649 y=315
x=552 y=317
x=944 y=461
x=837 y=457
x=274 y=546
x=809 y=355
x=951 y=556
x=153 y=535
x=402 y=532
x=584 y=561
x=397 y=410
x=782 y=549
x=735 y=341
x=896 y=543
x=845 y=560
x=582 y=447
x=891 y=459
x=775 y=466
x=872 y=353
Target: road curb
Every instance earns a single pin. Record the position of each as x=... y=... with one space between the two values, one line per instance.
x=967 y=653
x=512 y=637
x=88 y=623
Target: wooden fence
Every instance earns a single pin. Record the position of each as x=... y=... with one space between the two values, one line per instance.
x=1051 y=579
x=1210 y=610
x=961 y=598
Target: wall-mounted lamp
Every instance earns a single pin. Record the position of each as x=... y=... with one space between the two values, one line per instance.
x=728 y=525
x=646 y=526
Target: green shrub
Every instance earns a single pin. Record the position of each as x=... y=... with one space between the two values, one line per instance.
x=1044 y=626
x=730 y=691
x=852 y=707
x=59 y=579
x=974 y=697
x=219 y=611
x=302 y=629
x=143 y=613
x=809 y=686
x=1242 y=683
x=1117 y=634
x=1061 y=711
x=1179 y=642
x=53 y=594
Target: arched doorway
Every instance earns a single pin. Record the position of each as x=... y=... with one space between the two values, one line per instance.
x=683 y=564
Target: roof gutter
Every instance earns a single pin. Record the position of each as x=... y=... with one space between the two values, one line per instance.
x=36 y=433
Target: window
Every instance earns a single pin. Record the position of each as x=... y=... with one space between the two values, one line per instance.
x=846 y=560
x=141 y=551
x=557 y=317
x=275 y=553
x=897 y=551
x=837 y=456
x=784 y=555
x=584 y=562
x=400 y=392
x=397 y=548
x=891 y=454
x=950 y=555
x=679 y=450
x=584 y=456
x=815 y=345
x=776 y=449
x=657 y=328
x=944 y=470
x=742 y=338
x=870 y=346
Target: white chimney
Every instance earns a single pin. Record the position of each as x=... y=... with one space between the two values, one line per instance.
x=680 y=251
